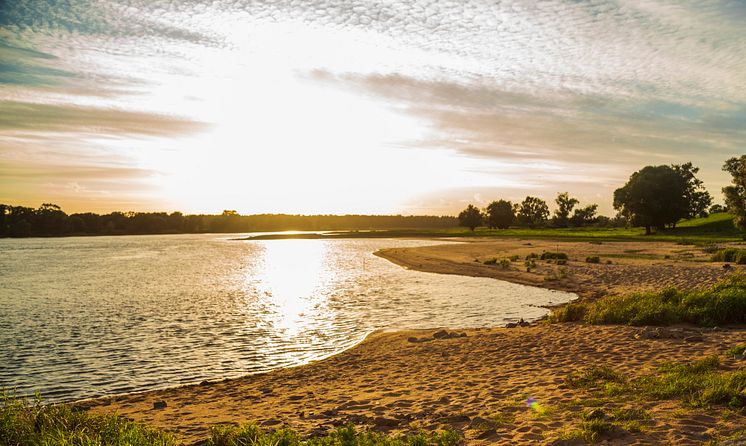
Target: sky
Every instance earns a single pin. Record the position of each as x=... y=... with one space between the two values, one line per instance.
x=388 y=106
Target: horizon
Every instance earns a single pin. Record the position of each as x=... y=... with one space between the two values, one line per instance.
x=331 y=108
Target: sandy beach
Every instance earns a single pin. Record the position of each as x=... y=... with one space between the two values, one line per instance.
x=479 y=383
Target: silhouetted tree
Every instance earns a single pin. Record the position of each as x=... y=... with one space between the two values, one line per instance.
x=717 y=209
x=532 y=212
x=584 y=216
x=735 y=195
x=655 y=196
x=500 y=214
x=565 y=204
x=470 y=217
x=697 y=198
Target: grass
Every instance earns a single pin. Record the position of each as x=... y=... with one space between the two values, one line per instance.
x=251 y=434
x=737 y=350
x=721 y=304
x=701 y=383
x=32 y=423
x=734 y=255
x=715 y=228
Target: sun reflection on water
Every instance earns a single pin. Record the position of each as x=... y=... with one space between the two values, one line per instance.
x=293 y=275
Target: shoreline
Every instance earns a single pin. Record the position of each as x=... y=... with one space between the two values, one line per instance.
x=404 y=381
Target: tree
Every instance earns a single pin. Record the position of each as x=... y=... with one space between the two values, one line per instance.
x=655 y=196
x=500 y=214
x=584 y=216
x=697 y=198
x=470 y=217
x=532 y=212
x=735 y=195
x=565 y=204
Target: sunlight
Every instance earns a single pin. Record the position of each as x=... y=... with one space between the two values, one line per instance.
x=292 y=274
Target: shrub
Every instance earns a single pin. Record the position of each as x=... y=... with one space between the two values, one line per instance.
x=733 y=255
x=530 y=264
x=593 y=259
x=505 y=263
x=514 y=258
x=492 y=261
x=553 y=256
x=721 y=304
x=531 y=256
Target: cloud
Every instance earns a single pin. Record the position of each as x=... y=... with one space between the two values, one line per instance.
x=24 y=117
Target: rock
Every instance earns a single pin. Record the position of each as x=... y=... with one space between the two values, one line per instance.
x=487 y=434
x=159 y=405
x=440 y=334
x=385 y=422
x=511 y=325
x=523 y=323
x=266 y=390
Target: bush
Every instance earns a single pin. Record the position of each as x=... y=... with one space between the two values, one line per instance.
x=514 y=258
x=553 y=256
x=505 y=263
x=721 y=304
x=593 y=259
x=530 y=264
x=492 y=261
x=733 y=255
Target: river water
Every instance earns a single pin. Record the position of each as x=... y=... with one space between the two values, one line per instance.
x=84 y=317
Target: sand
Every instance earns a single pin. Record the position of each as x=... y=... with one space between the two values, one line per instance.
x=477 y=384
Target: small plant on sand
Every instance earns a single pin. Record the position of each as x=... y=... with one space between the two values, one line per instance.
x=532 y=256
x=738 y=350
x=589 y=431
x=514 y=258
x=491 y=261
x=505 y=263
x=594 y=377
x=593 y=259
x=530 y=264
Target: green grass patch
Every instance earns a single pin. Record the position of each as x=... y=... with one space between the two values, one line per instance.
x=700 y=383
x=31 y=423
x=589 y=431
x=251 y=434
x=594 y=377
x=721 y=304
x=733 y=255
x=737 y=350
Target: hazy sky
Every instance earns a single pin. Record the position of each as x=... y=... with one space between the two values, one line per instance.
x=389 y=106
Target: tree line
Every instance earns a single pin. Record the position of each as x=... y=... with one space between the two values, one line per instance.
x=50 y=220
x=654 y=197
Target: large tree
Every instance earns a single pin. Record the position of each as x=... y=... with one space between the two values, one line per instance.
x=500 y=214
x=584 y=216
x=735 y=195
x=470 y=217
x=532 y=212
x=655 y=197
x=565 y=204
x=697 y=198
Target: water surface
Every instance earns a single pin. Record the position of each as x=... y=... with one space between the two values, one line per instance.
x=93 y=316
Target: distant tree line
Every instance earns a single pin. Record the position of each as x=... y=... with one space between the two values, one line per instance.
x=655 y=197
x=50 y=220
x=533 y=212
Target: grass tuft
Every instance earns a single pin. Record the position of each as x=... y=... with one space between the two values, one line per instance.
x=721 y=304
x=733 y=255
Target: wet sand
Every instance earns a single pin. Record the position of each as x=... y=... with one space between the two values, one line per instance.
x=477 y=384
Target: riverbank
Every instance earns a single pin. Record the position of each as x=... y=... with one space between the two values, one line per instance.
x=495 y=386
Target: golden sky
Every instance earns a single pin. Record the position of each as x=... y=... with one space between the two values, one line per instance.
x=321 y=106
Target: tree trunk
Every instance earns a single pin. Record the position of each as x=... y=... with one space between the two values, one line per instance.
x=647 y=230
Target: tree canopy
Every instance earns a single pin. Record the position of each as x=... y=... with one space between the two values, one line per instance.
x=470 y=217
x=532 y=212
x=660 y=196
x=565 y=205
x=500 y=214
x=735 y=195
